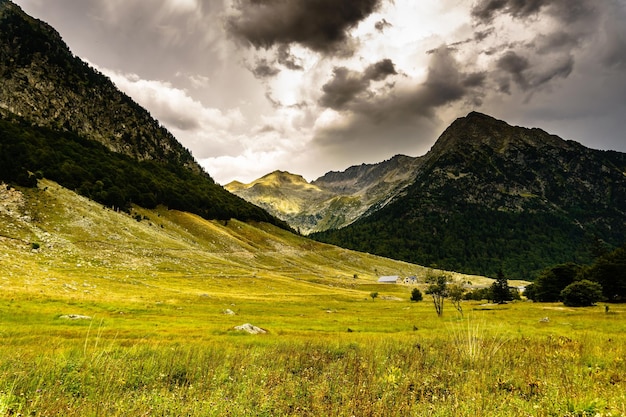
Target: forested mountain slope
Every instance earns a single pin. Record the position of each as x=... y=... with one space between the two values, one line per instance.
x=489 y=195
x=61 y=119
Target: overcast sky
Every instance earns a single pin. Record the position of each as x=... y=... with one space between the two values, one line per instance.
x=308 y=86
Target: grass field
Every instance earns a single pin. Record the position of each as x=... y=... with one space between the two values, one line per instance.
x=157 y=337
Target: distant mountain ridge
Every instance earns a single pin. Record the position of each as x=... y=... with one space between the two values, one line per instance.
x=60 y=119
x=489 y=195
x=332 y=201
x=486 y=196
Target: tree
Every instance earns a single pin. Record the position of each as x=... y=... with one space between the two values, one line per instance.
x=373 y=295
x=551 y=281
x=610 y=272
x=582 y=293
x=456 y=293
x=416 y=295
x=500 y=289
x=438 y=290
x=479 y=294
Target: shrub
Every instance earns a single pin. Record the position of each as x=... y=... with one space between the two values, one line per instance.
x=582 y=293
x=416 y=295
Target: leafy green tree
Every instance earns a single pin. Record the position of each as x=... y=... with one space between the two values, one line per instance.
x=374 y=295
x=610 y=272
x=479 y=294
x=438 y=290
x=552 y=281
x=500 y=291
x=416 y=295
x=582 y=293
x=456 y=293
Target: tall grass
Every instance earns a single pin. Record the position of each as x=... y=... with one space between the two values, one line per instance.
x=468 y=372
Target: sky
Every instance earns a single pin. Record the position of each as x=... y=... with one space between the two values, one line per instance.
x=310 y=86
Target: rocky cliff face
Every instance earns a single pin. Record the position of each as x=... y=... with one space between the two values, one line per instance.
x=333 y=201
x=44 y=83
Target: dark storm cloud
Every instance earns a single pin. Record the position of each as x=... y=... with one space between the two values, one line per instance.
x=515 y=65
x=264 y=69
x=553 y=51
x=320 y=25
x=399 y=108
x=528 y=77
x=285 y=58
x=487 y=9
x=380 y=70
x=382 y=25
x=348 y=86
x=445 y=83
x=403 y=117
x=345 y=86
x=566 y=11
x=557 y=41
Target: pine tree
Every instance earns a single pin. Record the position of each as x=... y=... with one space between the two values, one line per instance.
x=500 y=289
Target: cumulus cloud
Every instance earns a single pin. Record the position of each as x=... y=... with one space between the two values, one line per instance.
x=360 y=122
x=202 y=129
x=323 y=84
x=320 y=25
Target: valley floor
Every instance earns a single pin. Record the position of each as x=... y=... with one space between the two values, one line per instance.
x=109 y=314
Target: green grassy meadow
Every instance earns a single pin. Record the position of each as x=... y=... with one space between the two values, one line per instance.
x=157 y=339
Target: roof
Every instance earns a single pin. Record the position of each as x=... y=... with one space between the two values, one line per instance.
x=388 y=279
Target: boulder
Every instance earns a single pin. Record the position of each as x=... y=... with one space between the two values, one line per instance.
x=74 y=317
x=250 y=329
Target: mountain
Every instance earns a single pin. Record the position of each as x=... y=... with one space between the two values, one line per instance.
x=332 y=201
x=489 y=195
x=61 y=119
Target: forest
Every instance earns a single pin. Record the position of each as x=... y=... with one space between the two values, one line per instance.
x=30 y=152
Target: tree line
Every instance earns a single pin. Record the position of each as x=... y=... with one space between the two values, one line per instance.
x=574 y=285
x=30 y=152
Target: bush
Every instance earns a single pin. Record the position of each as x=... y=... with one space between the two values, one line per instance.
x=581 y=293
x=416 y=295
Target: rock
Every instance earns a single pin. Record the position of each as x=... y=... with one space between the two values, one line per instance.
x=250 y=329
x=545 y=320
x=74 y=317
x=229 y=312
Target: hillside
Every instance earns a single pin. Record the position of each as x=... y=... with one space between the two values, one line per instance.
x=61 y=119
x=45 y=84
x=490 y=195
x=332 y=201
x=62 y=242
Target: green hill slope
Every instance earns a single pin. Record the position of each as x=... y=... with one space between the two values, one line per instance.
x=88 y=251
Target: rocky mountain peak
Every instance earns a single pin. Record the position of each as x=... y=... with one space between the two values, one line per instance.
x=282 y=178
x=478 y=131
